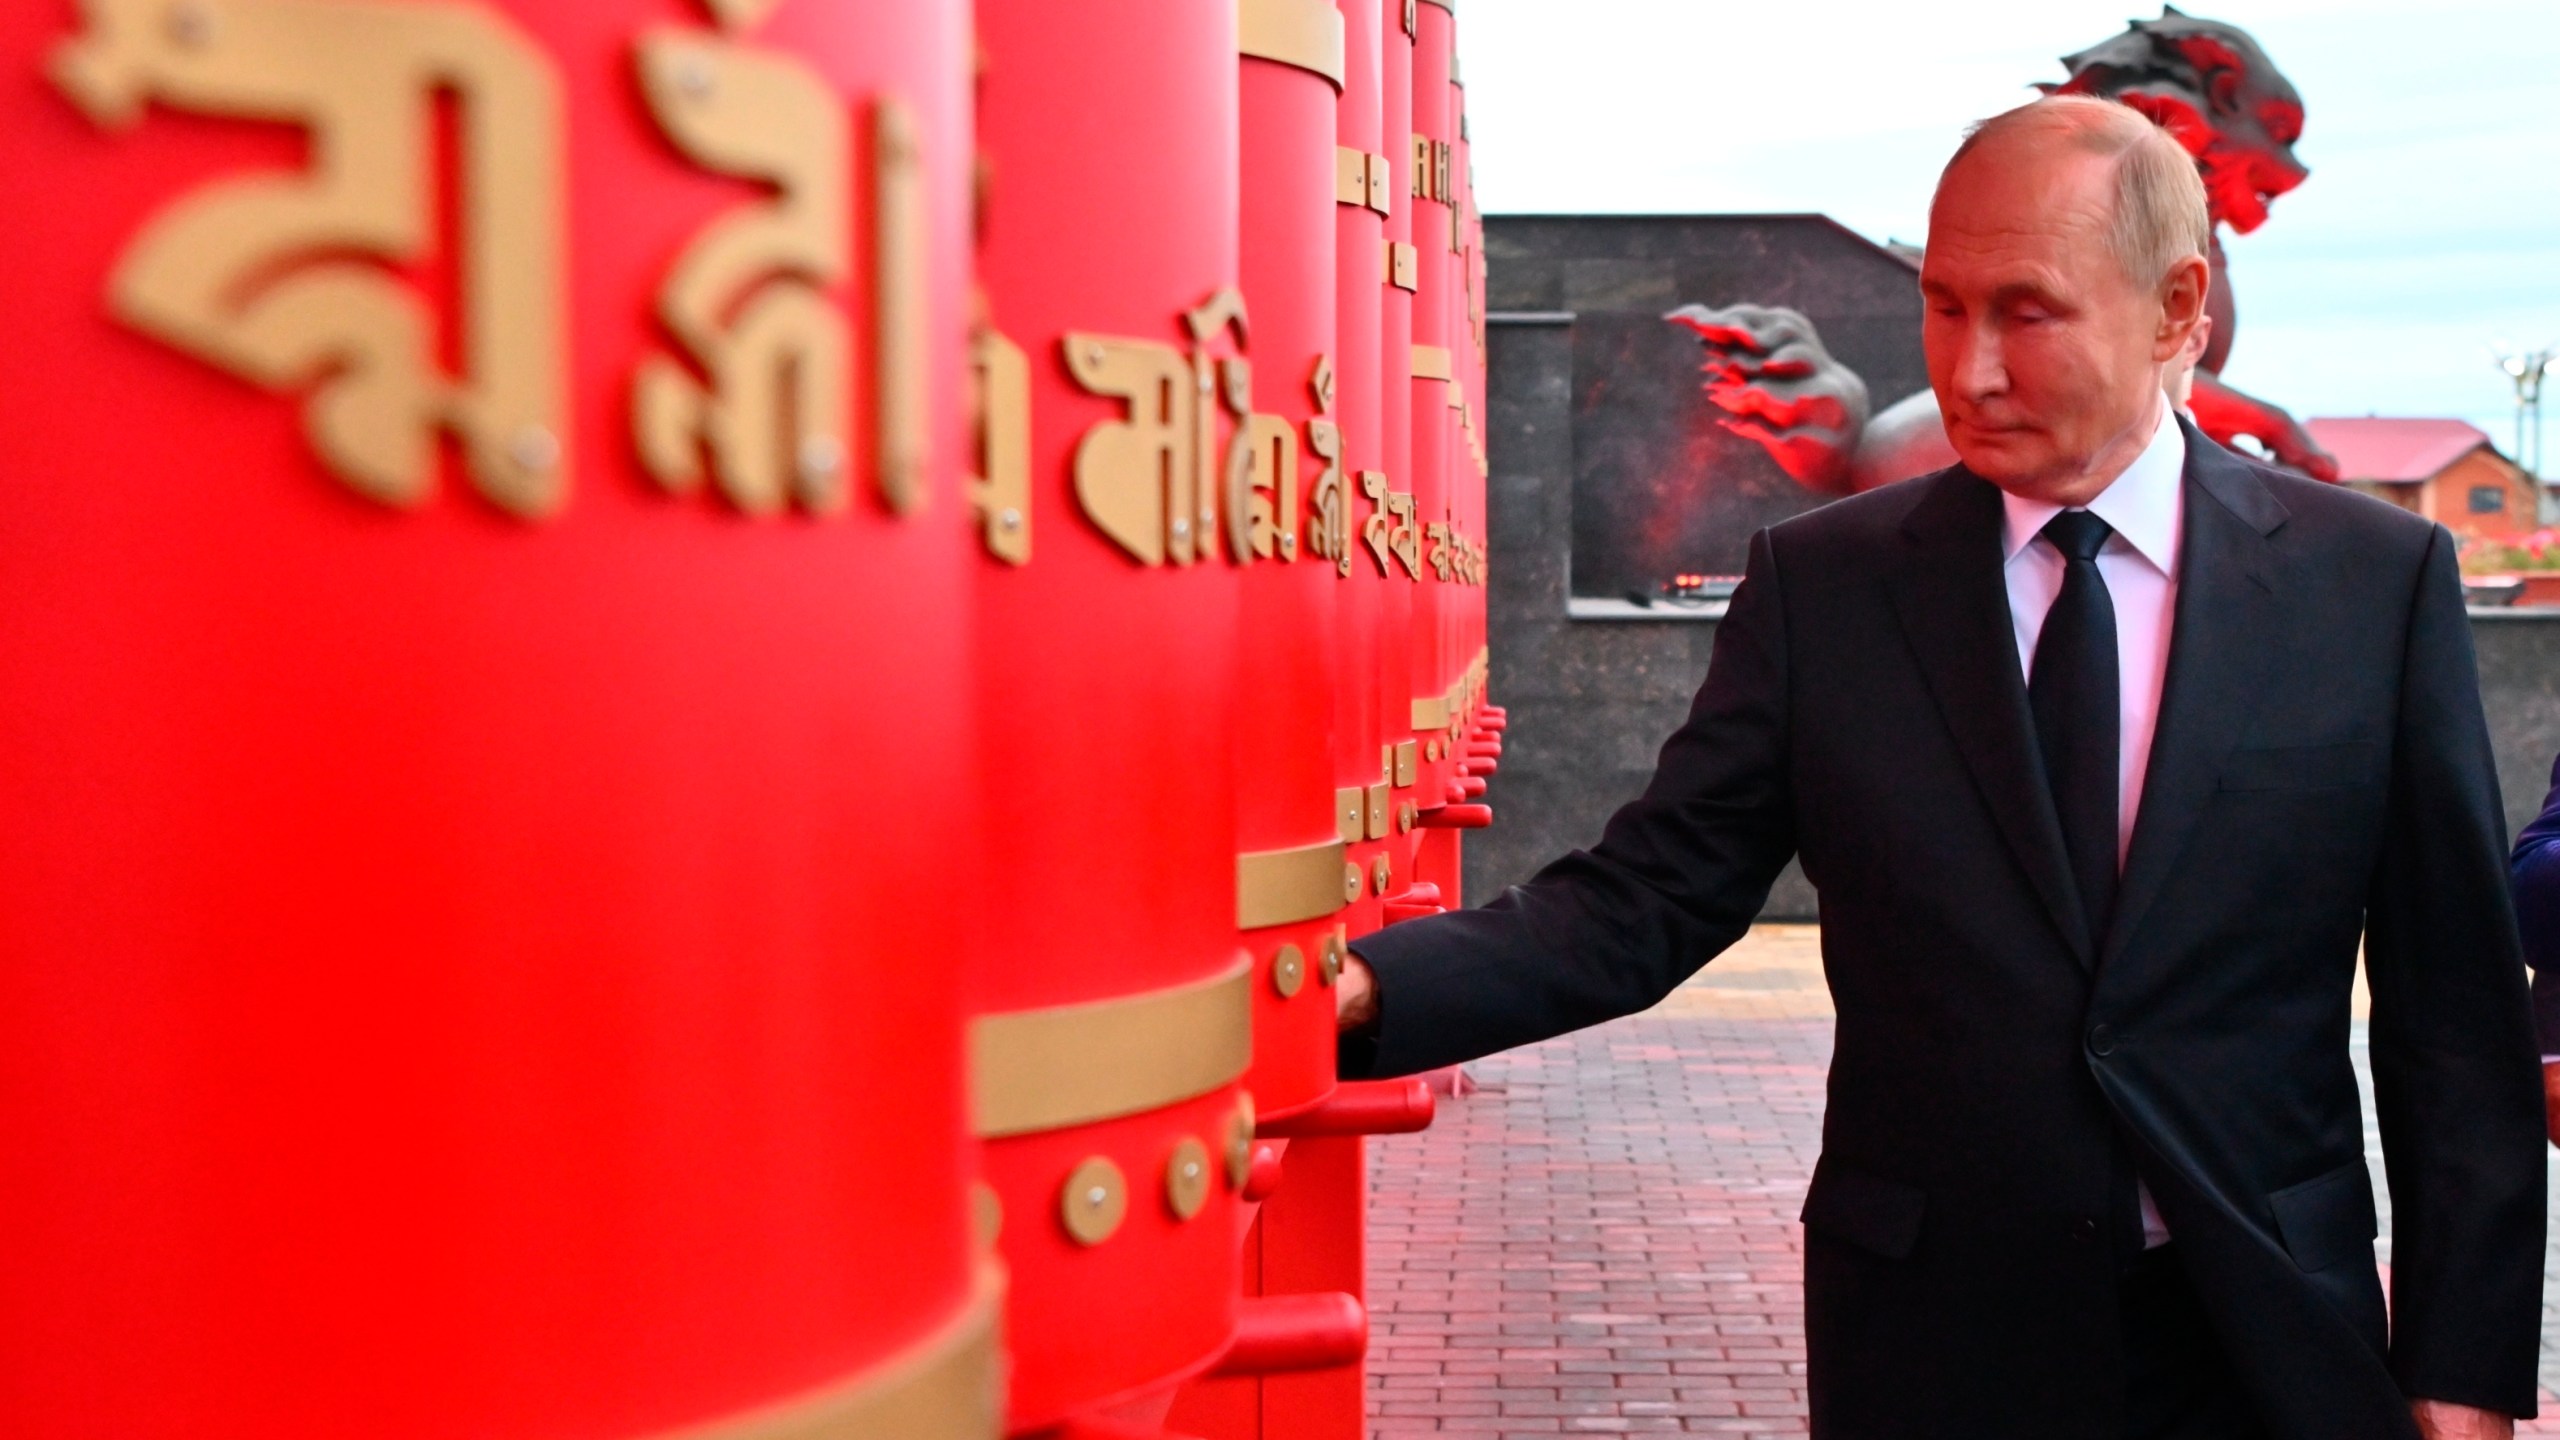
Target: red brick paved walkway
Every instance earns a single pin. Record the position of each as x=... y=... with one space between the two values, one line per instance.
x=1603 y=1239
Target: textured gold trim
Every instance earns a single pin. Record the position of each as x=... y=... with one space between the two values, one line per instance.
x=946 y=1387
x=1068 y=1065
x=1281 y=887
x=1431 y=713
x=1430 y=362
x=1304 y=33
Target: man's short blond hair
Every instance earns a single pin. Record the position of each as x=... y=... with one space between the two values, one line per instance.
x=2160 y=216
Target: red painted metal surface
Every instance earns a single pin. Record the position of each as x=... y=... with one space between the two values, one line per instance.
x=1431 y=667
x=1366 y=597
x=452 y=957
x=1363 y=1107
x=1286 y=767
x=1108 y=709
x=1280 y=1334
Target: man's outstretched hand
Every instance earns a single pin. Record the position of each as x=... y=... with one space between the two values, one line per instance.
x=1355 y=995
x=2439 y=1420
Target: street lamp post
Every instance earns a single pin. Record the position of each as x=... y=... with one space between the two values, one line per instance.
x=2527 y=371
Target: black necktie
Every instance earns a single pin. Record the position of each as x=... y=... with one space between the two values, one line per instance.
x=2073 y=695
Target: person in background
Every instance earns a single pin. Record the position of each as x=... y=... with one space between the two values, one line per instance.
x=2534 y=872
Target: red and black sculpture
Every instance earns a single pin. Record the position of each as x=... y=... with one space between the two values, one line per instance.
x=2208 y=84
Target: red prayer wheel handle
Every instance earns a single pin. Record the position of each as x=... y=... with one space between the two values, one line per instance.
x=1456 y=817
x=1361 y=1107
x=1283 y=1334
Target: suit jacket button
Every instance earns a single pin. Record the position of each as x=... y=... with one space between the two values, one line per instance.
x=2102 y=1041
x=2085 y=1230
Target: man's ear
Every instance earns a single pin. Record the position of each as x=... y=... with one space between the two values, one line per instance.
x=2182 y=296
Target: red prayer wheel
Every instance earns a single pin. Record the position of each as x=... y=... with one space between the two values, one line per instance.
x=1295 y=822
x=1389 y=542
x=486 y=697
x=1115 y=379
x=1434 y=423
x=1366 y=195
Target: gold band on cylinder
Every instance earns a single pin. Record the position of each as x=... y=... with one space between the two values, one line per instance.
x=1304 y=33
x=1034 y=1070
x=1282 y=887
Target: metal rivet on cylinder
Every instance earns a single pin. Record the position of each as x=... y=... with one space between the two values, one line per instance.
x=693 y=77
x=1009 y=518
x=1329 y=963
x=1379 y=875
x=534 y=448
x=1288 y=547
x=1350 y=883
x=1093 y=354
x=1289 y=971
x=1094 y=1201
x=1181 y=527
x=1186 y=1178
x=820 y=457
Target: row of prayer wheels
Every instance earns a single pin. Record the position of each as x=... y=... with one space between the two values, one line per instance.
x=699 y=696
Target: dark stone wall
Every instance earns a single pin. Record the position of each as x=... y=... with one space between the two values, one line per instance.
x=1590 y=700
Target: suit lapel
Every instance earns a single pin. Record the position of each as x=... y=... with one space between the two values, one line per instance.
x=2227 y=622
x=1954 y=606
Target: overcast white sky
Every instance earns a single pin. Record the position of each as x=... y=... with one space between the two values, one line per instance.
x=2430 y=225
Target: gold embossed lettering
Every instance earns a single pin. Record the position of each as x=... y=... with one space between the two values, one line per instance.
x=283 y=279
x=747 y=299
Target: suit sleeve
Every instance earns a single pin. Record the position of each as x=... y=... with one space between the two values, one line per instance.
x=2456 y=1087
x=2533 y=871
x=1678 y=875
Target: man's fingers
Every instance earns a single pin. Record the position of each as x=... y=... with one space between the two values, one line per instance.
x=1355 y=994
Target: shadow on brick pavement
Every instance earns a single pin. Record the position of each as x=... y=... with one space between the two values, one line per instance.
x=1603 y=1238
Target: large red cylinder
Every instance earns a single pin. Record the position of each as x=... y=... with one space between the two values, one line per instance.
x=1434 y=423
x=1119 y=1001
x=483 y=706
x=1388 y=542
x=1295 y=824
x=1363 y=761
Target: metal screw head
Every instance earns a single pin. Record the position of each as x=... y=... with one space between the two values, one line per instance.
x=1009 y=518
x=1181 y=527
x=1093 y=354
x=534 y=448
x=821 y=456
x=1288 y=547
x=1094 y=1201
x=694 y=77
x=1186 y=1178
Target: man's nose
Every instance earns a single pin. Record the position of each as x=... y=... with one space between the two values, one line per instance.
x=1981 y=370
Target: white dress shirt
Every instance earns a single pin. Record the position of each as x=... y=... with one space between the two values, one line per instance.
x=2145 y=506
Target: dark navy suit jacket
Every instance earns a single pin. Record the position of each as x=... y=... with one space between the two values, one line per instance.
x=2535 y=869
